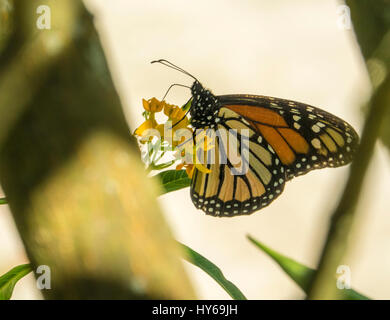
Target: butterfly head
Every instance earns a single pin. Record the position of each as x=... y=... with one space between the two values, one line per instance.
x=204 y=107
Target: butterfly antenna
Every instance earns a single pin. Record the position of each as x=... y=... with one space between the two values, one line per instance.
x=175 y=84
x=173 y=66
x=177 y=68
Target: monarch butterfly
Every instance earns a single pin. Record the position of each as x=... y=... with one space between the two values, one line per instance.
x=286 y=139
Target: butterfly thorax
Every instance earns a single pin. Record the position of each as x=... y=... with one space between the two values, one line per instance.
x=204 y=107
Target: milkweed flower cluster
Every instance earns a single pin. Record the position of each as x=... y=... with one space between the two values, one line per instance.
x=171 y=138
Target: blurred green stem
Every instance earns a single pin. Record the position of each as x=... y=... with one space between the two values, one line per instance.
x=324 y=286
x=371 y=25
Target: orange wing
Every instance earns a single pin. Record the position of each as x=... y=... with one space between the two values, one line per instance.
x=303 y=137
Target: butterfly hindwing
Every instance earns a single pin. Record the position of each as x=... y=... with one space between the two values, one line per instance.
x=245 y=172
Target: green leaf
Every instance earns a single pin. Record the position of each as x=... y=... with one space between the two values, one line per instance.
x=9 y=280
x=187 y=105
x=3 y=201
x=301 y=274
x=213 y=271
x=172 y=180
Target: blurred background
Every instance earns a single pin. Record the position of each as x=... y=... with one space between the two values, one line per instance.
x=289 y=49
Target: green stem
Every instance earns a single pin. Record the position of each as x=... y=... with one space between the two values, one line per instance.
x=323 y=285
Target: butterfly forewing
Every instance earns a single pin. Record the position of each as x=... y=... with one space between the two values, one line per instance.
x=303 y=137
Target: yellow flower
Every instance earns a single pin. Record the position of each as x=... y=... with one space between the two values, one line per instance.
x=148 y=124
x=190 y=168
x=176 y=120
x=176 y=114
x=160 y=128
x=153 y=105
